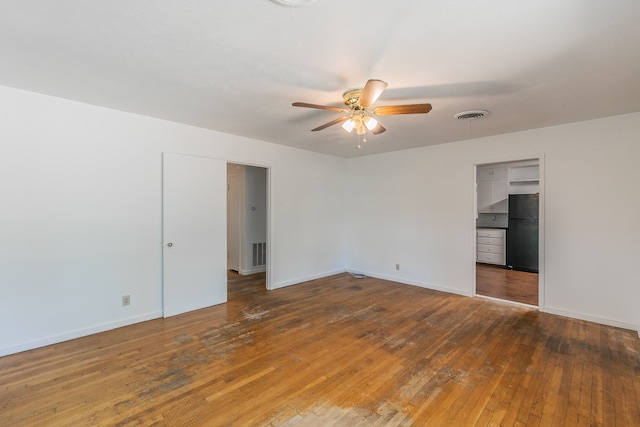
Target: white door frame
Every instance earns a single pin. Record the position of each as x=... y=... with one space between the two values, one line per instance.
x=269 y=267
x=541 y=221
x=233 y=221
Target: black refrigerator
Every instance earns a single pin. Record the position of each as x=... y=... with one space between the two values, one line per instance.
x=522 y=232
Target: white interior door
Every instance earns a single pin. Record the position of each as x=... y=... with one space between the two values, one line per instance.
x=194 y=229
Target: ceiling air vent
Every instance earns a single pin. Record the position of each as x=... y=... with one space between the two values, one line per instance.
x=471 y=115
x=293 y=2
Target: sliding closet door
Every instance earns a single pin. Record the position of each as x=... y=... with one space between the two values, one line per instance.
x=194 y=228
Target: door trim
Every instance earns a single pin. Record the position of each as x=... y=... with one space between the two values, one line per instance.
x=541 y=220
x=269 y=266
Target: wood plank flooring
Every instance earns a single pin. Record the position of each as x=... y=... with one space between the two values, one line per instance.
x=510 y=285
x=336 y=351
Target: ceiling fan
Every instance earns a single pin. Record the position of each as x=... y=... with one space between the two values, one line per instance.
x=358 y=116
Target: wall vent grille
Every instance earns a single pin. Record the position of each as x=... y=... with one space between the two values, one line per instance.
x=259 y=254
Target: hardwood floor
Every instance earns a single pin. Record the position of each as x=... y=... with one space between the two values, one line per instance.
x=511 y=285
x=336 y=351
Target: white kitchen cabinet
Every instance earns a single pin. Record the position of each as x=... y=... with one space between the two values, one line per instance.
x=491 y=173
x=524 y=174
x=491 y=245
x=492 y=189
x=524 y=179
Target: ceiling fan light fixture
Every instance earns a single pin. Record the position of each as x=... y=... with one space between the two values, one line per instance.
x=370 y=122
x=348 y=125
x=360 y=123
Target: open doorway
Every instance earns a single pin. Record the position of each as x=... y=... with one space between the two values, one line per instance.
x=247 y=219
x=508 y=234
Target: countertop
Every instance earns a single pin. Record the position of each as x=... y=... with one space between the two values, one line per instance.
x=497 y=220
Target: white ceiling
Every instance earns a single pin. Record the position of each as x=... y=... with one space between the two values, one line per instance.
x=236 y=66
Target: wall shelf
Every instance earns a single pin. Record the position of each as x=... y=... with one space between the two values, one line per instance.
x=524 y=174
x=524 y=181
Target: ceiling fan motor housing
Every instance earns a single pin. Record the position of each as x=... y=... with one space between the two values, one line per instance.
x=351 y=96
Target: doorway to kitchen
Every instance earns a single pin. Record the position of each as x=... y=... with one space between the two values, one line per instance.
x=508 y=237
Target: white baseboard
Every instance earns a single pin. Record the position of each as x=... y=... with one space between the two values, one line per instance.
x=299 y=280
x=415 y=283
x=54 y=339
x=252 y=271
x=580 y=316
x=595 y=319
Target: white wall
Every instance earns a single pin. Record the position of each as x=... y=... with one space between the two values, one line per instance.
x=415 y=208
x=81 y=214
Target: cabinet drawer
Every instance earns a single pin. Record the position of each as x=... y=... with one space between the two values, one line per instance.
x=490 y=241
x=491 y=232
x=490 y=248
x=491 y=258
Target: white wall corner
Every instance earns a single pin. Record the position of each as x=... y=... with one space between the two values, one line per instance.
x=424 y=285
x=299 y=280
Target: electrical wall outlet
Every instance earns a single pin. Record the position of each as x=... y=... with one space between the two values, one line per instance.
x=126 y=300
x=397 y=266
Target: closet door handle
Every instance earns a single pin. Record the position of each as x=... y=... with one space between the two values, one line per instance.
x=169 y=244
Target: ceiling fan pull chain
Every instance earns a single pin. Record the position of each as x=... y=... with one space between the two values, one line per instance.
x=362 y=138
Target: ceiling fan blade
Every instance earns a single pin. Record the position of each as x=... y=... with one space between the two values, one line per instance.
x=402 y=109
x=319 y=107
x=378 y=129
x=372 y=90
x=331 y=123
